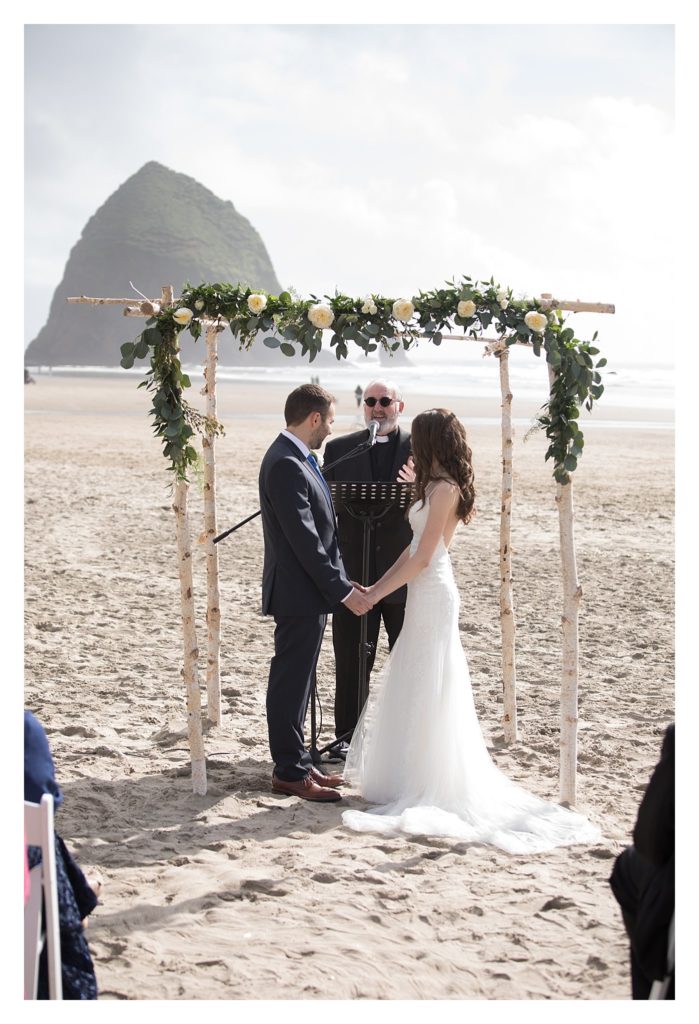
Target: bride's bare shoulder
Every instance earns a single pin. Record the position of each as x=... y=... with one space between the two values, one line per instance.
x=443 y=487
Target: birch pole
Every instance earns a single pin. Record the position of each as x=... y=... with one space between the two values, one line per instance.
x=213 y=606
x=190 y=670
x=507 y=615
x=572 y=593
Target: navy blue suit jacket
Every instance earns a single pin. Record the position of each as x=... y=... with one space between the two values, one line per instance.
x=303 y=570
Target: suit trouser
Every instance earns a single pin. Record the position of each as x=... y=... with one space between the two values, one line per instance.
x=297 y=641
x=346 y=633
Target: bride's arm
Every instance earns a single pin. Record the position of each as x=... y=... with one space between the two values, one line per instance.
x=390 y=573
x=407 y=567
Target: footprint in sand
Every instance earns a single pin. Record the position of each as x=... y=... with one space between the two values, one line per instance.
x=558 y=903
x=78 y=730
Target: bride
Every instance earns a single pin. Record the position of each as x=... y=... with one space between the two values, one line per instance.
x=418 y=752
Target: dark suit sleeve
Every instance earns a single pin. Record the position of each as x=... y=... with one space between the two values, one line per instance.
x=287 y=488
x=654 y=832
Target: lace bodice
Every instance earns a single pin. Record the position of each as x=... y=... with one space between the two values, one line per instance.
x=418 y=516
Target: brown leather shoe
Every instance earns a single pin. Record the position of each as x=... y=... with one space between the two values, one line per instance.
x=329 y=781
x=305 y=788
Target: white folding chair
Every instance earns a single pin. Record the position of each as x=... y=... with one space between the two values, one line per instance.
x=661 y=985
x=38 y=828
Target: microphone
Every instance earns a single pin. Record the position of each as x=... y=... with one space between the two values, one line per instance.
x=373 y=431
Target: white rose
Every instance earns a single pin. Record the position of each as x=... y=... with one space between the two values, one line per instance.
x=466 y=308
x=199 y=305
x=536 y=321
x=369 y=305
x=504 y=303
x=403 y=309
x=256 y=303
x=182 y=316
x=321 y=315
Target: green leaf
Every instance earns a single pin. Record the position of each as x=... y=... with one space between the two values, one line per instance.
x=437 y=338
x=271 y=342
x=285 y=299
x=601 y=362
x=152 y=336
x=127 y=348
x=141 y=349
x=126 y=362
x=570 y=463
x=173 y=428
x=372 y=329
x=288 y=350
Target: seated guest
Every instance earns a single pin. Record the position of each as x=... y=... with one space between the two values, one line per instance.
x=643 y=877
x=76 y=897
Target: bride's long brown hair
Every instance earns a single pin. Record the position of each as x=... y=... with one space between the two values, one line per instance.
x=438 y=435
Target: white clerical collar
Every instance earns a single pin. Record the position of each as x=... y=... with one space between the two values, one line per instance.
x=305 y=450
x=382 y=440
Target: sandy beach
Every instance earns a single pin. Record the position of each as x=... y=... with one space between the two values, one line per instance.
x=248 y=895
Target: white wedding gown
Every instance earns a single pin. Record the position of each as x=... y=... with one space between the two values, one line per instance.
x=418 y=752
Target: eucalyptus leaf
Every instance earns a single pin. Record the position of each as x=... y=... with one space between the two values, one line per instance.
x=288 y=350
x=141 y=349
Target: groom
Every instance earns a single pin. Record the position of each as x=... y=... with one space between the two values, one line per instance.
x=303 y=579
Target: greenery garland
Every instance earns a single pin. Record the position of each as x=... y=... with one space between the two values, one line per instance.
x=297 y=325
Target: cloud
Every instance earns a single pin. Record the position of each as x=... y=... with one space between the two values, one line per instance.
x=370 y=157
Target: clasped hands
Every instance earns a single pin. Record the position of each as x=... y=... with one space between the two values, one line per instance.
x=360 y=600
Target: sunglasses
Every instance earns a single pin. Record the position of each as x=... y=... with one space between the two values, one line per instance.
x=384 y=402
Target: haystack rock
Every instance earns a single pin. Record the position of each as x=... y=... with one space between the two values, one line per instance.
x=160 y=227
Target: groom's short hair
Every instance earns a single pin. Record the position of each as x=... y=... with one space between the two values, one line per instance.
x=304 y=400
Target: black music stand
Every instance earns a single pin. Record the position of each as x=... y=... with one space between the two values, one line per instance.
x=368 y=501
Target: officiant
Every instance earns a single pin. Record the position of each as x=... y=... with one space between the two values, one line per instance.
x=389 y=459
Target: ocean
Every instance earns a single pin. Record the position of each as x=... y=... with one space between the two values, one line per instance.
x=648 y=388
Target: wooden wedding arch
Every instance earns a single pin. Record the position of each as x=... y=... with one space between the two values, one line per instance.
x=388 y=318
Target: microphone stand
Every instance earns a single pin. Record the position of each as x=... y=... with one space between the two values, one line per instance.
x=362 y=447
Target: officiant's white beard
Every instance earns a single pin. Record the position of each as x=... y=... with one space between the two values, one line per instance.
x=386 y=425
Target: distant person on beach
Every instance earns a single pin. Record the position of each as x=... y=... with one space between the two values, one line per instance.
x=77 y=897
x=643 y=878
x=303 y=580
x=388 y=459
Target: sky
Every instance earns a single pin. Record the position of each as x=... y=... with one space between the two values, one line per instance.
x=376 y=157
